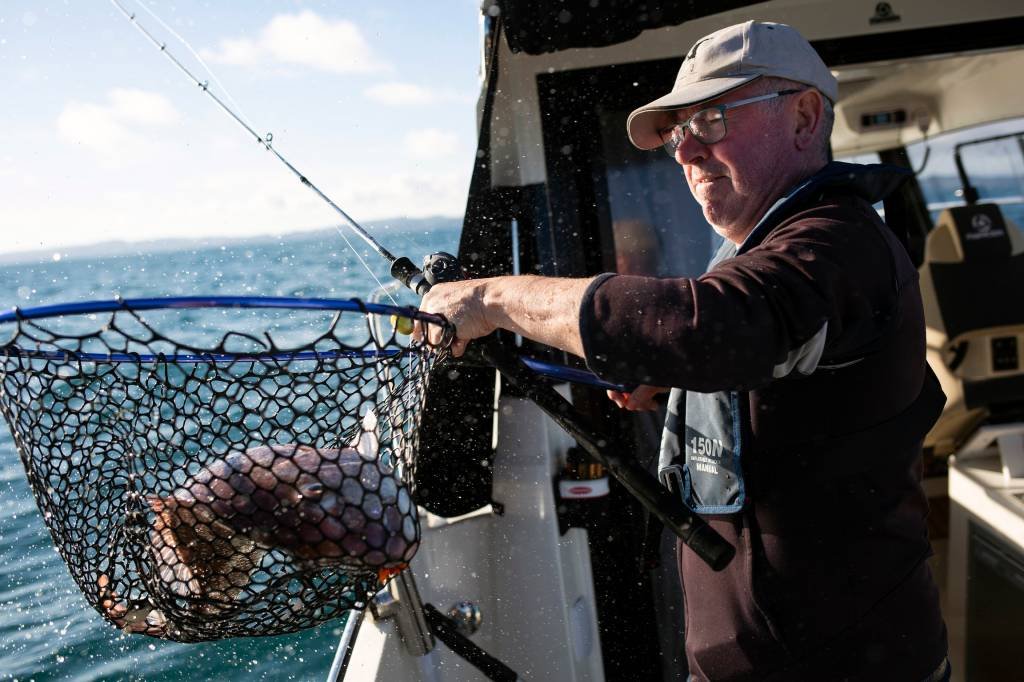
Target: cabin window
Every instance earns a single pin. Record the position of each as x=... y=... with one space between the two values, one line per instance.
x=613 y=206
x=657 y=226
x=993 y=158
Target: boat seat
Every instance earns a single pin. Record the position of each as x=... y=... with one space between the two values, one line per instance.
x=972 y=285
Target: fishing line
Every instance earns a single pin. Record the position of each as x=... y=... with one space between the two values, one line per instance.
x=263 y=140
x=188 y=46
x=380 y=285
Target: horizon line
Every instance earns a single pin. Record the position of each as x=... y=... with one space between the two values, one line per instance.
x=60 y=252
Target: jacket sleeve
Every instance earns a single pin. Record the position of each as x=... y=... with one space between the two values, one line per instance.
x=822 y=280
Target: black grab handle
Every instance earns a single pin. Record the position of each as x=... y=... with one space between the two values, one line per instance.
x=444 y=629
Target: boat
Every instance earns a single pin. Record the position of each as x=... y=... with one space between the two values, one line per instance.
x=541 y=564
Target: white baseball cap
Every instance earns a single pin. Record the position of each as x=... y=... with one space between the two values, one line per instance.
x=727 y=59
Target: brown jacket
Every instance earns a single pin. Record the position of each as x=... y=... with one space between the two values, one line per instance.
x=810 y=339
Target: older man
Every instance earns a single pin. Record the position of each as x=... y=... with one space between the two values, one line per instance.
x=802 y=390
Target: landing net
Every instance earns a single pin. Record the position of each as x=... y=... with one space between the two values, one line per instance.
x=249 y=482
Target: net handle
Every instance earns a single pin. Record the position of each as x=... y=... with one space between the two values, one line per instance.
x=191 y=302
x=201 y=358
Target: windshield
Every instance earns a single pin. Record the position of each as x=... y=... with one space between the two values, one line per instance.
x=994 y=167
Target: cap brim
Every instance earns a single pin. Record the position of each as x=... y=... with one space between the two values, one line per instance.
x=644 y=124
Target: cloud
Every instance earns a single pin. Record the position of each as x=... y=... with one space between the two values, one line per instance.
x=409 y=194
x=241 y=203
x=304 y=39
x=142 y=106
x=238 y=51
x=112 y=130
x=431 y=143
x=401 y=94
x=397 y=93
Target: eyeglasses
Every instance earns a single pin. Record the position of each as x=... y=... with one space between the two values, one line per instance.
x=708 y=125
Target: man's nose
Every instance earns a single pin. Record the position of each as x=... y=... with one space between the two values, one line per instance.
x=690 y=150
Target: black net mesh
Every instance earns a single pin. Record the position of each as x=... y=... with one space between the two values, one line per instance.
x=238 y=487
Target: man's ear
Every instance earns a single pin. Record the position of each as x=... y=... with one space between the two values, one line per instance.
x=809 y=112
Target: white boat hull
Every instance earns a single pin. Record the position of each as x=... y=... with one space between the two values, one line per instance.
x=533 y=586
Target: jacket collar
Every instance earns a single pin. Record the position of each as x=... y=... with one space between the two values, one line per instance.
x=871 y=182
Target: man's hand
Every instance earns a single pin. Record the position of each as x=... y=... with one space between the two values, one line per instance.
x=640 y=399
x=542 y=309
x=462 y=304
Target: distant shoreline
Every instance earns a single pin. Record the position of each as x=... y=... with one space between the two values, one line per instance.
x=119 y=248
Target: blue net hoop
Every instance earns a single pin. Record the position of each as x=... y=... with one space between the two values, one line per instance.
x=208 y=467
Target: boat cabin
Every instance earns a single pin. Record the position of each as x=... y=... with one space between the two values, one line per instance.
x=552 y=568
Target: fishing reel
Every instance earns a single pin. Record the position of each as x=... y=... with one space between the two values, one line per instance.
x=437 y=268
x=442 y=267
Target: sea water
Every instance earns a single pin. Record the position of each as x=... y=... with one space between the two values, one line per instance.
x=47 y=630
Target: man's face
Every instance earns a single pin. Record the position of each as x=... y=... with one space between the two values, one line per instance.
x=736 y=179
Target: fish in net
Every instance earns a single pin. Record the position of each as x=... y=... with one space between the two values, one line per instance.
x=202 y=487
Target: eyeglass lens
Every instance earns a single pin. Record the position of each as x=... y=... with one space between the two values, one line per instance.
x=708 y=126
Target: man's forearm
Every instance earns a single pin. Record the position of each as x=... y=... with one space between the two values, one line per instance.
x=543 y=309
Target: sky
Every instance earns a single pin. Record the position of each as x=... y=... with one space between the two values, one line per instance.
x=102 y=138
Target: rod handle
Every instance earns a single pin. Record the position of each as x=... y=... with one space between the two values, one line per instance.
x=711 y=547
x=694 y=531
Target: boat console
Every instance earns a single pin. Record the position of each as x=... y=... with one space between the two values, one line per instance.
x=972 y=283
x=984 y=604
x=557 y=190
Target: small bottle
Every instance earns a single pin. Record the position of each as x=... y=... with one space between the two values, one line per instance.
x=582 y=478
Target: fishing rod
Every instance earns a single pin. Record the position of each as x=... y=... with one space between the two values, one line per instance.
x=660 y=502
x=443 y=267
x=439 y=267
x=402 y=268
